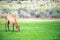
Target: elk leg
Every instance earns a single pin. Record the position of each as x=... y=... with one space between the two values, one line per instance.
x=13 y=27
x=5 y=27
x=8 y=25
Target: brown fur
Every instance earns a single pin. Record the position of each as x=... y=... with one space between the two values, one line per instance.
x=12 y=20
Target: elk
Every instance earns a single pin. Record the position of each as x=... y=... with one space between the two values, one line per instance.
x=11 y=20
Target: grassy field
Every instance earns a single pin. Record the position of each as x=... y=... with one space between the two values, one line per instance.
x=47 y=30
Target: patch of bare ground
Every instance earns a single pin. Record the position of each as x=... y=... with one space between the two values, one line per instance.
x=36 y=19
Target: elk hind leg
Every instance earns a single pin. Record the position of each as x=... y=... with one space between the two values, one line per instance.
x=5 y=26
x=8 y=25
x=13 y=27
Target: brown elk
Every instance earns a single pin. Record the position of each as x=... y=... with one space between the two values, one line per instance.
x=11 y=19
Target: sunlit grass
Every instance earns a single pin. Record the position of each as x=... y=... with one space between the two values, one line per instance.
x=49 y=30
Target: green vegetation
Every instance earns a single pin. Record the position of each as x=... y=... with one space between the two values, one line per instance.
x=29 y=9
x=47 y=30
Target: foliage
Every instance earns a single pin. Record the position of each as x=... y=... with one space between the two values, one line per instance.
x=30 y=9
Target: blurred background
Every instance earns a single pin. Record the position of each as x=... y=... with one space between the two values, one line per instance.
x=25 y=11
x=31 y=8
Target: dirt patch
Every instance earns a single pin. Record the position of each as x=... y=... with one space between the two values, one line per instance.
x=36 y=19
x=33 y=19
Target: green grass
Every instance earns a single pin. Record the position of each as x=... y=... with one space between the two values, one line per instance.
x=47 y=30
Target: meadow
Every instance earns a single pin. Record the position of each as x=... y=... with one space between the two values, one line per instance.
x=35 y=30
